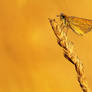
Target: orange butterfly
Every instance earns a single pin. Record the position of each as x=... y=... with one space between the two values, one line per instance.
x=78 y=25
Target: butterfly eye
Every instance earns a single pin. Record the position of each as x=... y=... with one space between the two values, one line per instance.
x=62 y=16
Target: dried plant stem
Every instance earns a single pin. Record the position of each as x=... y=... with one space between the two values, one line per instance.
x=69 y=53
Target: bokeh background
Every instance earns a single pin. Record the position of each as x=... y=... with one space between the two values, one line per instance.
x=30 y=58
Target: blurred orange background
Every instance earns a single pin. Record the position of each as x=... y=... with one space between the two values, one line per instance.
x=30 y=58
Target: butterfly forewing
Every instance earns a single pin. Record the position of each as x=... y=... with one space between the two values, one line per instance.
x=80 y=25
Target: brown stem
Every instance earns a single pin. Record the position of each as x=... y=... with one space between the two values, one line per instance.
x=69 y=53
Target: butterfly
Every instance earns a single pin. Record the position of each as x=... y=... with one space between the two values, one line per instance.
x=78 y=25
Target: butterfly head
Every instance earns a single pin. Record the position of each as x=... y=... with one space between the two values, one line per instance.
x=62 y=16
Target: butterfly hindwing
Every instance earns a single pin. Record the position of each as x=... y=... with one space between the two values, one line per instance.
x=80 y=25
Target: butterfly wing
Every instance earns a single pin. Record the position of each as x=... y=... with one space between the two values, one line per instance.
x=80 y=25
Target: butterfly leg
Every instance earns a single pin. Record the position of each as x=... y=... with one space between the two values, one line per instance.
x=59 y=29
